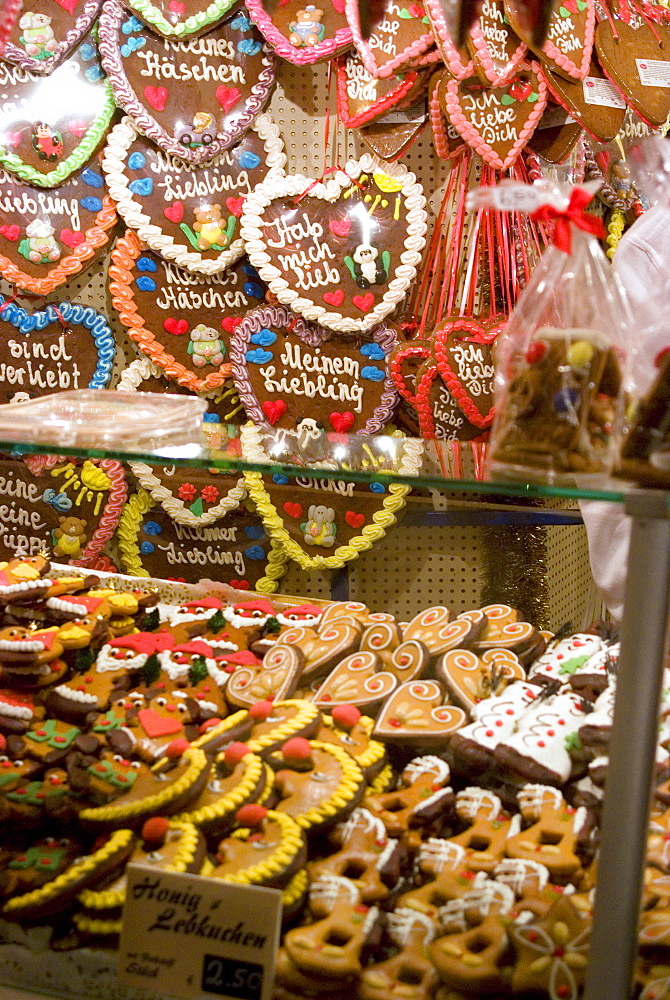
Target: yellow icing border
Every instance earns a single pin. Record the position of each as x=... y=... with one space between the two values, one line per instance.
x=296 y=889
x=382 y=782
x=307 y=712
x=229 y=722
x=92 y=926
x=234 y=799
x=118 y=842
x=292 y=841
x=352 y=779
x=197 y=760
x=373 y=752
x=109 y=899
x=268 y=788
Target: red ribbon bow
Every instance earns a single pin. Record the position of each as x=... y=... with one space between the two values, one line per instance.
x=575 y=213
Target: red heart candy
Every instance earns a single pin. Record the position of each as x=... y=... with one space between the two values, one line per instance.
x=176 y=7
x=274 y=410
x=176 y=326
x=12 y=139
x=227 y=97
x=78 y=127
x=230 y=323
x=10 y=232
x=70 y=238
x=339 y=6
x=156 y=97
x=341 y=422
x=68 y=5
x=353 y=519
x=174 y=212
x=155 y=724
x=340 y=227
x=238 y=584
x=334 y=298
x=292 y=509
x=235 y=206
x=363 y=302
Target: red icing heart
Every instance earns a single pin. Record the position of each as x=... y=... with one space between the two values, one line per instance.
x=10 y=232
x=176 y=326
x=340 y=227
x=230 y=323
x=341 y=422
x=176 y=7
x=69 y=5
x=274 y=410
x=472 y=342
x=292 y=509
x=70 y=238
x=78 y=128
x=338 y=5
x=235 y=206
x=239 y=584
x=363 y=302
x=155 y=725
x=227 y=97
x=416 y=10
x=353 y=519
x=156 y=97
x=603 y=159
x=174 y=212
x=334 y=298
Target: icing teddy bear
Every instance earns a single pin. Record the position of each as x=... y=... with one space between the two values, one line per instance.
x=319 y=529
x=205 y=346
x=38 y=35
x=69 y=537
x=47 y=143
x=307 y=29
x=209 y=227
x=40 y=245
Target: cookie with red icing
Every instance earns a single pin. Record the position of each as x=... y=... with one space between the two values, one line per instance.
x=318 y=784
x=30 y=657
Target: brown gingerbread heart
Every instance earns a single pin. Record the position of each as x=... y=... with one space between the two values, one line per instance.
x=356 y=680
x=630 y=60
x=415 y=713
x=470 y=678
x=272 y=680
x=593 y=102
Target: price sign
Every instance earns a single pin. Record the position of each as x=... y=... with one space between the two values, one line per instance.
x=187 y=936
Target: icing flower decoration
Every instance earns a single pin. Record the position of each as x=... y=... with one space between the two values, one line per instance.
x=209 y=494
x=553 y=952
x=187 y=492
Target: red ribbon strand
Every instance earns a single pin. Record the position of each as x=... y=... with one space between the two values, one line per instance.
x=575 y=215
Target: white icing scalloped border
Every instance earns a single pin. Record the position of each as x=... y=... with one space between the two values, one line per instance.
x=290 y=187
x=114 y=158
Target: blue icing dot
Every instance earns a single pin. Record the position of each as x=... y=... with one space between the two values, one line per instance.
x=253 y=290
x=254 y=552
x=142 y=186
x=280 y=480
x=264 y=337
x=132 y=24
x=212 y=418
x=90 y=203
x=241 y=23
x=250 y=270
x=372 y=374
x=249 y=46
x=377 y=487
x=152 y=528
x=92 y=177
x=136 y=161
x=87 y=51
x=146 y=548
x=131 y=45
x=146 y=284
x=373 y=351
x=146 y=264
x=254 y=531
x=93 y=73
x=259 y=356
x=248 y=160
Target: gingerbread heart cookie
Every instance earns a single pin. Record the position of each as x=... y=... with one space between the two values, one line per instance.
x=446 y=139
x=568 y=44
x=402 y=36
x=456 y=57
x=635 y=60
x=44 y=141
x=181 y=321
x=273 y=679
x=438 y=633
x=498 y=123
x=193 y=98
x=463 y=352
x=194 y=497
x=362 y=97
x=188 y=214
x=345 y=253
x=496 y=49
x=593 y=102
x=439 y=414
x=391 y=135
x=324 y=649
x=295 y=375
x=556 y=134
x=470 y=678
x=356 y=680
x=173 y=19
x=43 y=36
x=302 y=33
x=53 y=235
x=415 y=713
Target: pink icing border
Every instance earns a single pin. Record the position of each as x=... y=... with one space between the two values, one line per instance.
x=486 y=62
x=474 y=139
x=375 y=110
x=299 y=57
x=437 y=124
x=411 y=52
x=564 y=62
x=448 y=50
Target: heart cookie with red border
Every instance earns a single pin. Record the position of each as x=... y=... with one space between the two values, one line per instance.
x=403 y=36
x=498 y=123
x=568 y=44
x=362 y=97
x=188 y=214
x=181 y=321
x=496 y=49
x=416 y=712
x=45 y=34
x=71 y=507
x=53 y=235
x=302 y=33
x=296 y=376
x=174 y=19
x=446 y=139
x=193 y=98
x=463 y=352
x=629 y=62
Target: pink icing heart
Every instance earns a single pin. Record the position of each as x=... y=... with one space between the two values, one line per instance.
x=176 y=7
x=334 y=298
x=69 y=5
x=174 y=212
x=363 y=302
x=176 y=326
x=156 y=97
x=340 y=227
x=338 y=5
x=235 y=206
x=227 y=97
x=71 y=239
x=12 y=139
x=78 y=127
x=230 y=323
x=10 y=232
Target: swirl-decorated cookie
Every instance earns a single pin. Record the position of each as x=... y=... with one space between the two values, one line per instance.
x=347 y=256
x=470 y=678
x=193 y=98
x=302 y=33
x=323 y=649
x=43 y=141
x=187 y=214
x=45 y=34
x=356 y=680
x=272 y=679
x=415 y=713
x=402 y=37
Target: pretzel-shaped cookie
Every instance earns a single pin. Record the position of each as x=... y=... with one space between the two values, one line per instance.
x=411 y=969
x=553 y=837
x=470 y=961
x=485 y=840
x=423 y=796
